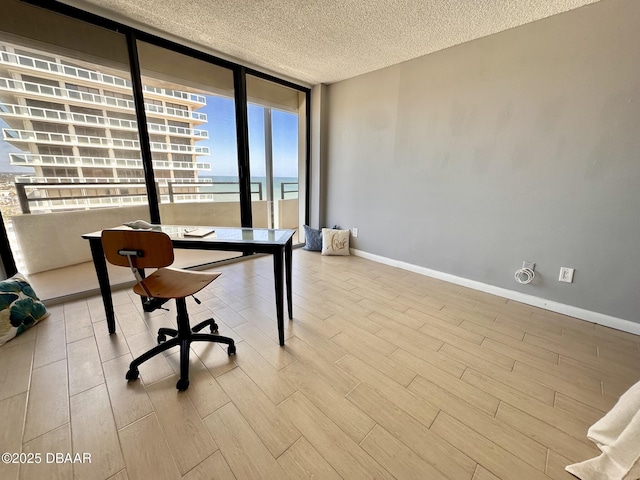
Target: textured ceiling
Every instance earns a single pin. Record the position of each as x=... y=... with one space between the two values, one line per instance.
x=324 y=41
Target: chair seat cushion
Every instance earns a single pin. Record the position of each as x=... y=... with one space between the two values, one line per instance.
x=174 y=283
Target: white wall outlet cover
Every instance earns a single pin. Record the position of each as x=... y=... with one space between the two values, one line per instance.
x=566 y=275
x=354 y=232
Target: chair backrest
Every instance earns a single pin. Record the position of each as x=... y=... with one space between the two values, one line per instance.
x=152 y=249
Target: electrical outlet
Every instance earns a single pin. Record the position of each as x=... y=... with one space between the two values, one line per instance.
x=566 y=275
x=354 y=232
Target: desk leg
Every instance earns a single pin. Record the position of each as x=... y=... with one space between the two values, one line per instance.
x=278 y=280
x=288 y=258
x=100 y=264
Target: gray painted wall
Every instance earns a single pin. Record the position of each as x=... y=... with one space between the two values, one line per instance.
x=524 y=145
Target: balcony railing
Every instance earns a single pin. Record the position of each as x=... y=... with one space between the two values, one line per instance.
x=76 y=180
x=18 y=86
x=219 y=188
x=12 y=135
x=176 y=112
x=87 y=202
x=186 y=96
x=162 y=181
x=28 y=113
x=37 y=64
x=285 y=188
x=29 y=159
x=178 y=148
x=35 y=196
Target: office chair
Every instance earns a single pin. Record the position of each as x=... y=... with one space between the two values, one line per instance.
x=153 y=249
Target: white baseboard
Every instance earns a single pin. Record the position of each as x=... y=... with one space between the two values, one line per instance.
x=588 y=315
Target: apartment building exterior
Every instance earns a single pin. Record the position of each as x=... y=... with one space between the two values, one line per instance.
x=75 y=126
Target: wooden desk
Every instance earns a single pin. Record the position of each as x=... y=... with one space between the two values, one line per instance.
x=246 y=240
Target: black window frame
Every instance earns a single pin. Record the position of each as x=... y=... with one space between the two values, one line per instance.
x=240 y=73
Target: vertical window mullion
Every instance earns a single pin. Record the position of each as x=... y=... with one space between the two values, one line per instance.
x=143 y=131
x=268 y=160
x=307 y=153
x=242 y=133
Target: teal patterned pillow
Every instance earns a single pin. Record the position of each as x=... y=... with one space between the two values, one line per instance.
x=20 y=307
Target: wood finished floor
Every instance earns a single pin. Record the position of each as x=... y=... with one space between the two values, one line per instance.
x=385 y=374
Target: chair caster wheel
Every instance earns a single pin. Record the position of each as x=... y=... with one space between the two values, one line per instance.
x=214 y=328
x=133 y=374
x=231 y=350
x=162 y=338
x=182 y=384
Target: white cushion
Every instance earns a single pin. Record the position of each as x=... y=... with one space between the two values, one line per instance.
x=335 y=242
x=616 y=435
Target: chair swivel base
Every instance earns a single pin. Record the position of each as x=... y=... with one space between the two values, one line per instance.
x=172 y=332
x=183 y=337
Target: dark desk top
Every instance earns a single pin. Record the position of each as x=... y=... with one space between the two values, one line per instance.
x=254 y=236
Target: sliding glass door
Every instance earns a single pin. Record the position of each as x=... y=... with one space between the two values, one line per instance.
x=277 y=124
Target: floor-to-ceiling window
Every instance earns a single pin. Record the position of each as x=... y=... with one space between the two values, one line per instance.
x=103 y=124
x=70 y=148
x=190 y=113
x=277 y=126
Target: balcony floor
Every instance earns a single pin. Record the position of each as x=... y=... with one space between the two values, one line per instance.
x=60 y=284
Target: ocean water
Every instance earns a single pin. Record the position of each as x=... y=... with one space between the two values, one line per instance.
x=228 y=187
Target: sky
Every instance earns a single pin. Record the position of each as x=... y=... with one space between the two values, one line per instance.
x=222 y=140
